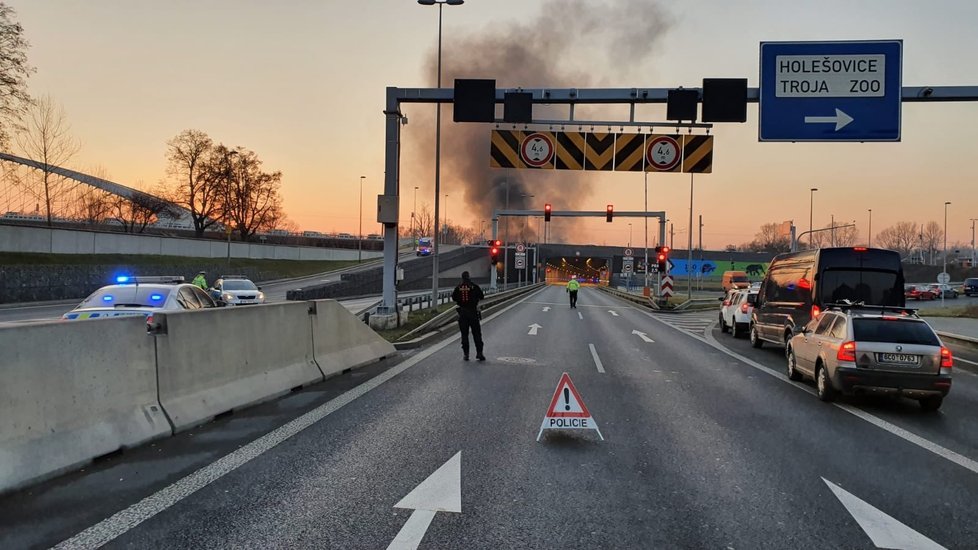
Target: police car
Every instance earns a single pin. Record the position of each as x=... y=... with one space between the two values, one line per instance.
x=144 y=296
x=237 y=290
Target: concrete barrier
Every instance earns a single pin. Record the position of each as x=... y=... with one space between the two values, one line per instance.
x=341 y=341
x=70 y=392
x=218 y=360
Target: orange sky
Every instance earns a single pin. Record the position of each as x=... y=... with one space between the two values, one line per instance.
x=302 y=83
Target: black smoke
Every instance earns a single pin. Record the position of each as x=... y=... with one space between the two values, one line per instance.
x=569 y=44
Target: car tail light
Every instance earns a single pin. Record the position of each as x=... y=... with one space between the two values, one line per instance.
x=816 y=311
x=804 y=283
x=149 y=319
x=726 y=303
x=947 y=360
x=847 y=352
x=743 y=307
x=859 y=248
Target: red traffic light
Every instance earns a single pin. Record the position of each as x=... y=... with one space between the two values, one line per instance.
x=547 y=210
x=494 y=251
x=662 y=257
x=610 y=213
x=665 y=249
x=497 y=243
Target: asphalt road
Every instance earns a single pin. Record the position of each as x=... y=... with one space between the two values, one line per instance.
x=706 y=445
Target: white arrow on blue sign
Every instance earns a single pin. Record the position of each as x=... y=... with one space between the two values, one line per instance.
x=831 y=91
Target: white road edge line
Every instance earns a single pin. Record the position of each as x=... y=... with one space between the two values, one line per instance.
x=121 y=522
x=943 y=452
x=597 y=360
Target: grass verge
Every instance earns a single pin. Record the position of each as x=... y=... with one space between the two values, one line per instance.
x=416 y=319
x=969 y=312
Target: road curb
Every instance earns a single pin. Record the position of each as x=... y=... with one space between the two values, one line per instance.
x=958 y=338
x=41 y=304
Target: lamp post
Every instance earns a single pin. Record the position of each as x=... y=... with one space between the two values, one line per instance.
x=811 y=211
x=629 y=235
x=415 y=222
x=973 y=242
x=360 y=231
x=434 y=252
x=944 y=270
x=445 y=228
x=870 y=245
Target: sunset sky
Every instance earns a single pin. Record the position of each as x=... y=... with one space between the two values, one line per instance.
x=302 y=83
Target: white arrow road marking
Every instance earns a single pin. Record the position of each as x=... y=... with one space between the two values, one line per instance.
x=841 y=119
x=643 y=337
x=883 y=530
x=597 y=360
x=534 y=328
x=613 y=312
x=441 y=492
x=580 y=315
x=546 y=308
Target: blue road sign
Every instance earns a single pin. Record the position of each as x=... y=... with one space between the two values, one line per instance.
x=831 y=91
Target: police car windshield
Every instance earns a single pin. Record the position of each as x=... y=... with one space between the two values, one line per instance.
x=239 y=284
x=131 y=296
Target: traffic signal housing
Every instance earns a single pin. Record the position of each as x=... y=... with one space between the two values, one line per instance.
x=547 y=211
x=495 y=248
x=610 y=214
x=662 y=257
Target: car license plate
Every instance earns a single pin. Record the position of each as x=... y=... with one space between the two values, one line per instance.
x=900 y=358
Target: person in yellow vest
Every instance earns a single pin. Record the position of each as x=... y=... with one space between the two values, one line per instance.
x=572 y=287
x=200 y=281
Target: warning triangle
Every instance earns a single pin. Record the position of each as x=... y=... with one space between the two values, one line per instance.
x=567 y=402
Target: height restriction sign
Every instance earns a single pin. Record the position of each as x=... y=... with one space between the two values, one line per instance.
x=663 y=154
x=537 y=150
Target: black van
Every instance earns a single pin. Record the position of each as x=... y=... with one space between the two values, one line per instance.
x=797 y=286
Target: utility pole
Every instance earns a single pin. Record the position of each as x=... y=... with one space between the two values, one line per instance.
x=973 y=242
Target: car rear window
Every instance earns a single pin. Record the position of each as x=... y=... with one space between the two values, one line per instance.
x=971 y=282
x=132 y=296
x=868 y=287
x=897 y=331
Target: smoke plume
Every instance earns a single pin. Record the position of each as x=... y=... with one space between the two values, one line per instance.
x=569 y=44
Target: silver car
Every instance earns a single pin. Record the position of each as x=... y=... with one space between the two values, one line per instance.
x=237 y=290
x=870 y=349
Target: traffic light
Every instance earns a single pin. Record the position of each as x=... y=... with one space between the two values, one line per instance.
x=610 y=213
x=547 y=210
x=662 y=257
x=494 y=250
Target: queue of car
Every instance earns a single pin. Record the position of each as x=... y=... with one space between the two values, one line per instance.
x=840 y=314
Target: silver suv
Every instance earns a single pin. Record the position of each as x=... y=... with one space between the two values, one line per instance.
x=851 y=349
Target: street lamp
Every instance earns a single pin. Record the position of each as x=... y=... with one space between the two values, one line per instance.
x=629 y=235
x=360 y=234
x=944 y=270
x=811 y=210
x=973 y=241
x=415 y=222
x=870 y=245
x=434 y=252
x=445 y=230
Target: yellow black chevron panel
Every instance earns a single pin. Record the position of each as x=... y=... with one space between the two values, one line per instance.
x=504 y=149
x=600 y=151
x=629 y=152
x=698 y=154
x=570 y=151
x=663 y=153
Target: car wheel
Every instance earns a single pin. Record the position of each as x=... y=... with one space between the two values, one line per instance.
x=793 y=373
x=823 y=385
x=932 y=403
x=723 y=324
x=755 y=339
x=733 y=329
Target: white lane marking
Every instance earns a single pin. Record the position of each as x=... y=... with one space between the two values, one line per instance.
x=884 y=530
x=578 y=305
x=613 y=313
x=533 y=329
x=597 y=360
x=910 y=437
x=966 y=361
x=439 y=492
x=121 y=522
x=546 y=308
x=580 y=315
x=643 y=336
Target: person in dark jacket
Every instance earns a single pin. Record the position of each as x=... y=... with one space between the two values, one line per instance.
x=467 y=295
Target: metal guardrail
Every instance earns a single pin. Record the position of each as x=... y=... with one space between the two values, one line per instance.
x=492 y=300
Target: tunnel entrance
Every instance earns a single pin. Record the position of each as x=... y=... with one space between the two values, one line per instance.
x=588 y=270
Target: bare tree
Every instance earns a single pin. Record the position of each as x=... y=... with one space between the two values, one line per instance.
x=424 y=221
x=136 y=216
x=456 y=234
x=198 y=170
x=931 y=238
x=47 y=141
x=251 y=197
x=771 y=238
x=900 y=237
x=14 y=71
